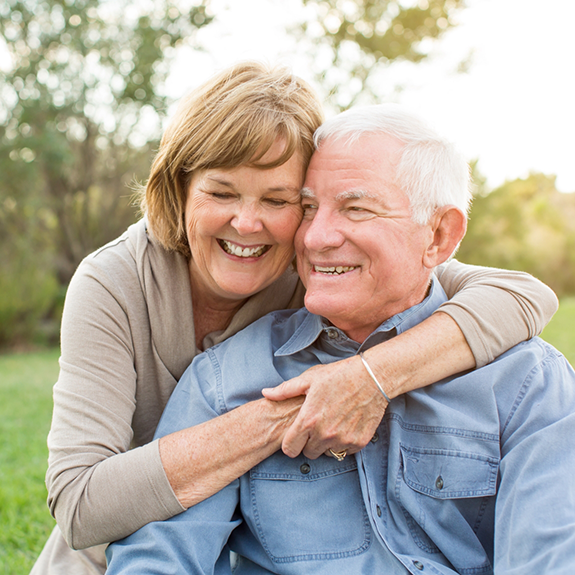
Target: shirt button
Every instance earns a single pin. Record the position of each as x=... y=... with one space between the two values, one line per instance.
x=375 y=437
x=332 y=333
x=305 y=468
x=439 y=483
x=378 y=510
x=418 y=565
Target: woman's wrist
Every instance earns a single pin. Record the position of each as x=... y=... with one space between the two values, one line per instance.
x=428 y=352
x=201 y=460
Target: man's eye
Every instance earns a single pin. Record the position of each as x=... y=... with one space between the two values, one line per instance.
x=309 y=209
x=359 y=213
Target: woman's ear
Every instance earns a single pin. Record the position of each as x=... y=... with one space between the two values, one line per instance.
x=448 y=226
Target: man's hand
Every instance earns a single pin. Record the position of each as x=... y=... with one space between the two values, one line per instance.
x=342 y=409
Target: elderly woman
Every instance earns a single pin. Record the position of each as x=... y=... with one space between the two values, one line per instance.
x=211 y=256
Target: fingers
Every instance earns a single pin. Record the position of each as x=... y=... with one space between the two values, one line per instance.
x=286 y=390
x=295 y=439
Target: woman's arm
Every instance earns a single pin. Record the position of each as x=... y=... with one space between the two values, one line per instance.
x=201 y=460
x=109 y=398
x=494 y=308
x=490 y=310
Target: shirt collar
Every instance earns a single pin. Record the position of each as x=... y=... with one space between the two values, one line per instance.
x=312 y=325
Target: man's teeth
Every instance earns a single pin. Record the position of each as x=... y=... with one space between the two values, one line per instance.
x=236 y=250
x=334 y=270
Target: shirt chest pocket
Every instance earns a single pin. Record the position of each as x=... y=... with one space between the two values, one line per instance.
x=305 y=510
x=449 y=474
x=439 y=485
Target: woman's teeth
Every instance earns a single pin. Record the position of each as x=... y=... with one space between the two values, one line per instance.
x=236 y=250
x=334 y=270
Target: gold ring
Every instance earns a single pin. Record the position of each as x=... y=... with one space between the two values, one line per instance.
x=339 y=455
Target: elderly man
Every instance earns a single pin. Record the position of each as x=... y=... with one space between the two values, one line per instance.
x=473 y=474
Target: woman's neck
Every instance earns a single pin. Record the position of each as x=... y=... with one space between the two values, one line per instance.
x=211 y=312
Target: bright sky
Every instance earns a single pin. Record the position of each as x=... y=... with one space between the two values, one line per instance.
x=514 y=109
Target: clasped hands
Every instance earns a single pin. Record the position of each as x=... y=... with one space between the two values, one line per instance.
x=341 y=411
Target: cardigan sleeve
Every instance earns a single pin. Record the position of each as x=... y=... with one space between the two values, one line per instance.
x=495 y=309
x=98 y=488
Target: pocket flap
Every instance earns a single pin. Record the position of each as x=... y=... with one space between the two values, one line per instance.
x=449 y=474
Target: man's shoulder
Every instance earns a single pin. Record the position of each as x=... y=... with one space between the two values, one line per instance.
x=532 y=373
x=535 y=353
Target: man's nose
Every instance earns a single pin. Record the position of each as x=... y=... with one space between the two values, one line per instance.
x=247 y=220
x=322 y=232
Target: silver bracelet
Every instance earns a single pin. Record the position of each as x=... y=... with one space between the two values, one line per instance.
x=374 y=378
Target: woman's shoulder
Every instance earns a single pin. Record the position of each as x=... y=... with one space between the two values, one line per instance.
x=130 y=261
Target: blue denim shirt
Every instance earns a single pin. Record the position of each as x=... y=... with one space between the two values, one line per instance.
x=474 y=474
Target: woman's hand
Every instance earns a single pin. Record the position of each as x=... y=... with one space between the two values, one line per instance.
x=343 y=406
x=342 y=409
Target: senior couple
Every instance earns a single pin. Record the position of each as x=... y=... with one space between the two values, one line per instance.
x=377 y=473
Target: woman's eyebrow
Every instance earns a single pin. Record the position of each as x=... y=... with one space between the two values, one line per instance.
x=220 y=180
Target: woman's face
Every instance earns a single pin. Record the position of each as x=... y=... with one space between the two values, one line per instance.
x=241 y=224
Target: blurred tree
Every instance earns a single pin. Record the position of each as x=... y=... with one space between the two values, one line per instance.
x=80 y=108
x=524 y=224
x=357 y=39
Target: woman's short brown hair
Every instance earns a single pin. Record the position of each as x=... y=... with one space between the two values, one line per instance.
x=231 y=120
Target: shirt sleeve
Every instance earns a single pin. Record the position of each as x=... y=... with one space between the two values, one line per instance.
x=535 y=519
x=95 y=482
x=194 y=541
x=495 y=309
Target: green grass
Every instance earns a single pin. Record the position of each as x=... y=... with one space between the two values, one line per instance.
x=561 y=331
x=25 y=409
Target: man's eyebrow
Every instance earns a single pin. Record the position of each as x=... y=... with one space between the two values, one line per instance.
x=356 y=195
x=307 y=193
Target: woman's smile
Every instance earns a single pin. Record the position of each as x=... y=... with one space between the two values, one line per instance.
x=240 y=251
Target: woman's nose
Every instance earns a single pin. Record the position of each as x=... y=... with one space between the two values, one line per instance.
x=247 y=220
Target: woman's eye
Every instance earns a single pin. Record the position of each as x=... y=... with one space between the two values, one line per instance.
x=221 y=195
x=275 y=202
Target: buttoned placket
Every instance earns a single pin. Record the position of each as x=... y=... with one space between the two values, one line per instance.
x=372 y=465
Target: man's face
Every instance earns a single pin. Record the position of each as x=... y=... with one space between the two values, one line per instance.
x=359 y=253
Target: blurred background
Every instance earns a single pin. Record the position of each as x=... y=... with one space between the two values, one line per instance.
x=86 y=87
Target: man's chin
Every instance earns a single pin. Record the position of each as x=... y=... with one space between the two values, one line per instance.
x=320 y=304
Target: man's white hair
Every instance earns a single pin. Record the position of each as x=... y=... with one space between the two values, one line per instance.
x=431 y=172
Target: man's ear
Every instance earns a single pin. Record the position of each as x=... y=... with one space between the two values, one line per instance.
x=448 y=226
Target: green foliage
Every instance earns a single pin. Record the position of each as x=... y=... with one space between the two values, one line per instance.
x=362 y=37
x=25 y=411
x=528 y=225
x=80 y=110
x=560 y=332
